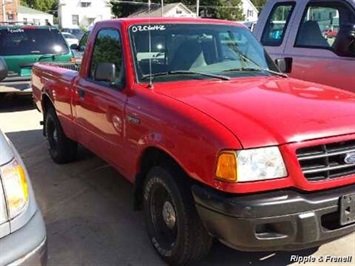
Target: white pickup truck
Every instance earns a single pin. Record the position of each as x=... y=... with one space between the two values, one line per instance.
x=314 y=38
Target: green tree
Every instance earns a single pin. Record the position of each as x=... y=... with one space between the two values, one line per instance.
x=43 y=5
x=230 y=10
x=259 y=4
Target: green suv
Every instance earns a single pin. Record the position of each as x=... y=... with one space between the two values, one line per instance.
x=23 y=45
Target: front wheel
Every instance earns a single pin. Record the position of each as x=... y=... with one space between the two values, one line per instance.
x=61 y=148
x=173 y=224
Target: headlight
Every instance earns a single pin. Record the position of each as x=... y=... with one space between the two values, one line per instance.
x=250 y=165
x=15 y=187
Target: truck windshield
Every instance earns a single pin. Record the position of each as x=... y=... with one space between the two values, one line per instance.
x=198 y=48
x=31 y=40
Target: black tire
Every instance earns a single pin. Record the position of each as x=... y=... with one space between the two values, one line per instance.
x=61 y=149
x=174 y=227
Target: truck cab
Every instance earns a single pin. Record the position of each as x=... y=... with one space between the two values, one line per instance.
x=317 y=37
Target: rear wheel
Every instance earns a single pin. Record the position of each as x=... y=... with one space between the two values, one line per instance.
x=173 y=224
x=61 y=148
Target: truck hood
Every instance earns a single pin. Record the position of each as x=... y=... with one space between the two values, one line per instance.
x=270 y=110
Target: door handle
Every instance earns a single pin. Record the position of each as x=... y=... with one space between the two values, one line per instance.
x=81 y=93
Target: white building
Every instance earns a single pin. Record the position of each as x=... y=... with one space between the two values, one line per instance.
x=34 y=17
x=249 y=10
x=82 y=13
x=177 y=10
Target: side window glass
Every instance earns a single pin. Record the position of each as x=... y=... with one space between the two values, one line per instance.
x=276 y=24
x=83 y=41
x=108 y=51
x=328 y=25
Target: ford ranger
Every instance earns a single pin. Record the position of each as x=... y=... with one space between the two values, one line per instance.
x=217 y=142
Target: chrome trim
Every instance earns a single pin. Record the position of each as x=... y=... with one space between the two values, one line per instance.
x=307 y=157
x=327 y=168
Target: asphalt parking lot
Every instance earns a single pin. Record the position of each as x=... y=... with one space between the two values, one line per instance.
x=87 y=207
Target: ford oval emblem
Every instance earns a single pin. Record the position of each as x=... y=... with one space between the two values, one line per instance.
x=350 y=158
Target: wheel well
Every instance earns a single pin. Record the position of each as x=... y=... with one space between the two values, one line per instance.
x=150 y=158
x=46 y=104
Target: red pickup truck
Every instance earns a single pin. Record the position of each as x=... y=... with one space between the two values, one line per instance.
x=217 y=142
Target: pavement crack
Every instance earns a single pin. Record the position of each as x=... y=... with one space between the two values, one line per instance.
x=69 y=199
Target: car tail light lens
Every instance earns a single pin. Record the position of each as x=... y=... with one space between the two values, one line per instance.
x=15 y=187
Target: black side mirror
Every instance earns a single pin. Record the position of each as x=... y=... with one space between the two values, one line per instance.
x=284 y=64
x=3 y=69
x=105 y=72
x=344 y=44
x=74 y=47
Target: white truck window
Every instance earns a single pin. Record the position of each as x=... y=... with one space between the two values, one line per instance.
x=323 y=26
x=276 y=24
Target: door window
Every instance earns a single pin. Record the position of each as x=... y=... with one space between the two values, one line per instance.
x=328 y=25
x=108 y=49
x=276 y=24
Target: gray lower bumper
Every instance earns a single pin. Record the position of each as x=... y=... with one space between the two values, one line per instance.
x=26 y=246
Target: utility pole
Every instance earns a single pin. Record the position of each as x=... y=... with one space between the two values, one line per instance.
x=3 y=11
x=162 y=7
x=197 y=8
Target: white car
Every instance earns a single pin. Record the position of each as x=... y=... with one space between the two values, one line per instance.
x=70 y=38
x=23 y=238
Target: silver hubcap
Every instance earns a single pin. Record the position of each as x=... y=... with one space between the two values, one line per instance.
x=169 y=214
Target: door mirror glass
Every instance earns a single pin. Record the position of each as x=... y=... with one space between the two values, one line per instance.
x=105 y=72
x=284 y=64
x=74 y=46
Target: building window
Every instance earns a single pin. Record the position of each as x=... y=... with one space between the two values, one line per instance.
x=75 y=19
x=25 y=21
x=85 y=4
x=10 y=17
x=250 y=13
x=178 y=11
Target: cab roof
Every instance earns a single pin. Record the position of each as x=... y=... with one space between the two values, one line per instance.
x=154 y=20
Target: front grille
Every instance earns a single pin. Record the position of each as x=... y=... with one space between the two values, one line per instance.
x=326 y=161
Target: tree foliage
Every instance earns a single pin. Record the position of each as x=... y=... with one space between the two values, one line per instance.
x=223 y=9
x=259 y=4
x=230 y=10
x=48 y=6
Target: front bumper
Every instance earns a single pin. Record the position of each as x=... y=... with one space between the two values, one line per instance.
x=278 y=220
x=26 y=246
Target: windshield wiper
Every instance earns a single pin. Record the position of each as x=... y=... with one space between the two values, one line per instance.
x=245 y=58
x=255 y=69
x=184 y=72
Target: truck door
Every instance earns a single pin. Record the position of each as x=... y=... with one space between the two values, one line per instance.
x=99 y=105
x=317 y=42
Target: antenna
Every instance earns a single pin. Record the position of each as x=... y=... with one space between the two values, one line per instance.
x=151 y=86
